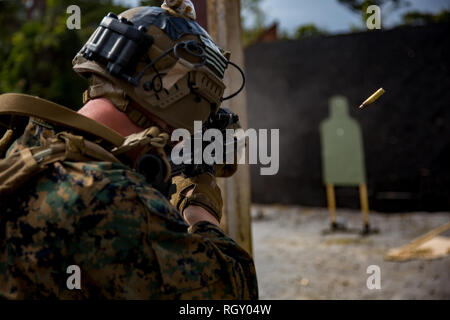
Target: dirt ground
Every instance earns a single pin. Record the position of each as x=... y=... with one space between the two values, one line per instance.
x=295 y=260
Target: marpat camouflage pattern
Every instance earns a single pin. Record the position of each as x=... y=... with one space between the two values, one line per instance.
x=127 y=239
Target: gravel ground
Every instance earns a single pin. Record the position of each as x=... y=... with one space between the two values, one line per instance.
x=295 y=260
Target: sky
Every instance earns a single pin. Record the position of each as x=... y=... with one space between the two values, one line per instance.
x=334 y=17
x=329 y=14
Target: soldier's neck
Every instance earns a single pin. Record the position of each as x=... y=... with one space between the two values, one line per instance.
x=103 y=111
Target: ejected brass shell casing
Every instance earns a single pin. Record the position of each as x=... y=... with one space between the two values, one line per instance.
x=372 y=98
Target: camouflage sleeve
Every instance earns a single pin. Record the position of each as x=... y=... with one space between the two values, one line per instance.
x=143 y=250
x=238 y=261
x=128 y=241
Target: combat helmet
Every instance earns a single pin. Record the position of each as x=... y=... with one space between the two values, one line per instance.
x=155 y=60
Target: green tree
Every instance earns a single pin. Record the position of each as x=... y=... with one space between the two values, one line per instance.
x=251 y=11
x=360 y=6
x=419 y=18
x=11 y=18
x=37 y=52
x=410 y=18
x=308 y=30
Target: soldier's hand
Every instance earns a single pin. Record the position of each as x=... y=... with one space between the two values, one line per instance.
x=201 y=191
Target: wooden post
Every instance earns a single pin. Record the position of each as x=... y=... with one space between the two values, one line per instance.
x=364 y=200
x=331 y=200
x=224 y=26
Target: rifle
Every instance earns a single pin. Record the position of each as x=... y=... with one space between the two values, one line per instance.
x=222 y=120
x=155 y=171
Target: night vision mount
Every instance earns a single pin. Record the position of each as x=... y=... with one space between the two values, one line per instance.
x=119 y=45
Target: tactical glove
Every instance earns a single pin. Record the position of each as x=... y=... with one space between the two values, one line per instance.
x=205 y=193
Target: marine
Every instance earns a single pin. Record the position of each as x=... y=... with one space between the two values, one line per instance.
x=76 y=188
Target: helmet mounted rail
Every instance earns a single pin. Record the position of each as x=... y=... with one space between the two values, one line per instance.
x=119 y=45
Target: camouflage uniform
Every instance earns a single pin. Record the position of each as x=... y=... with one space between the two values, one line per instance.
x=127 y=239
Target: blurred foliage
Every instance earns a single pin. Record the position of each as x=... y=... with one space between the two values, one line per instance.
x=410 y=18
x=360 y=6
x=37 y=48
x=419 y=18
x=308 y=30
x=251 y=11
